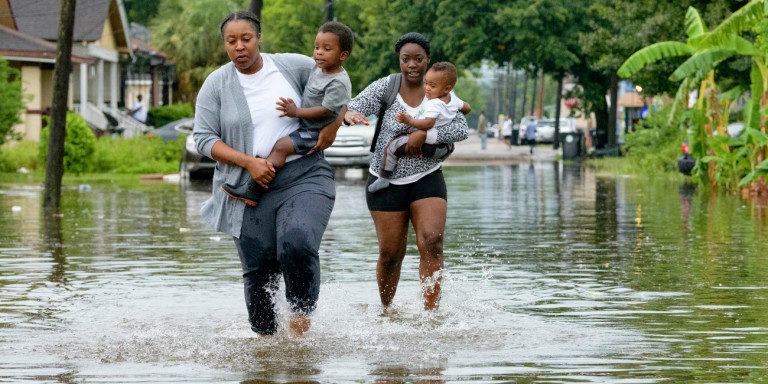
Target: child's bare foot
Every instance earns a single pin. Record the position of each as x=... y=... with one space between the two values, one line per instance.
x=299 y=324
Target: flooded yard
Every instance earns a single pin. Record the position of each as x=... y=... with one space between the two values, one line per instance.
x=553 y=275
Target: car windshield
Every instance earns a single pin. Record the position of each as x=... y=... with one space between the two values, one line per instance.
x=551 y=123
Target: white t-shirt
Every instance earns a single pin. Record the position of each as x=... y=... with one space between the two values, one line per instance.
x=442 y=111
x=263 y=90
x=141 y=114
x=506 y=128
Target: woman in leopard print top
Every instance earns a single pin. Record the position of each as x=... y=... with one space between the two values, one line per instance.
x=418 y=193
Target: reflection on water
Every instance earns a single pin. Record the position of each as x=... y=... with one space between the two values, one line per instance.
x=553 y=275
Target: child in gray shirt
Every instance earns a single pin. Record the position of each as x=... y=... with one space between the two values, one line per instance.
x=328 y=90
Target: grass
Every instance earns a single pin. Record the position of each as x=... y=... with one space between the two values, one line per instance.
x=138 y=155
x=622 y=166
x=117 y=179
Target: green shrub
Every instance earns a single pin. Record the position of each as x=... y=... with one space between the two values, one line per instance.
x=11 y=101
x=140 y=154
x=655 y=145
x=22 y=154
x=165 y=114
x=79 y=145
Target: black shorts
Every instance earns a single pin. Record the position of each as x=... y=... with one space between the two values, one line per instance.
x=398 y=198
x=304 y=139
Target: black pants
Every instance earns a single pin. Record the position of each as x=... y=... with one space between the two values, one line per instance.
x=281 y=237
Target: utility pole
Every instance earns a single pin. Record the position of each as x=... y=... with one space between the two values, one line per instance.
x=513 y=109
x=556 y=142
x=541 y=96
x=508 y=99
x=54 y=164
x=328 y=10
x=533 y=97
x=525 y=92
x=613 y=111
x=255 y=8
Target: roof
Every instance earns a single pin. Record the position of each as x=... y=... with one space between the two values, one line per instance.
x=140 y=46
x=40 y=18
x=14 y=44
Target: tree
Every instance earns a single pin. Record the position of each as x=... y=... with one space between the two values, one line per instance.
x=141 y=11
x=188 y=31
x=11 y=101
x=256 y=7
x=54 y=167
x=545 y=35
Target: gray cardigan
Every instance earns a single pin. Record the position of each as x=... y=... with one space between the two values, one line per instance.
x=222 y=113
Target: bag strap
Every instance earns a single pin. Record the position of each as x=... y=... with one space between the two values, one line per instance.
x=393 y=86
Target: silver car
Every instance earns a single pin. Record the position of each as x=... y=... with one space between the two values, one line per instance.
x=545 y=129
x=352 y=145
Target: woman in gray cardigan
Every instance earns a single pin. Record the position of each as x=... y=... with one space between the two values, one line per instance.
x=237 y=123
x=418 y=193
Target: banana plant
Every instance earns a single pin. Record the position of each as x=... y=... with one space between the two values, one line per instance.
x=696 y=30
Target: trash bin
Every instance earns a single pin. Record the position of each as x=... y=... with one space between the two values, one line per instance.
x=571 y=143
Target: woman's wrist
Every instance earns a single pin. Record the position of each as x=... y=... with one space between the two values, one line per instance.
x=245 y=161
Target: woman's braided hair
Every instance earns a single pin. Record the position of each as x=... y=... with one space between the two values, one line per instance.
x=412 y=37
x=242 y=15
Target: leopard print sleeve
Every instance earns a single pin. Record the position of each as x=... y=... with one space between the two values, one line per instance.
x=368 y=101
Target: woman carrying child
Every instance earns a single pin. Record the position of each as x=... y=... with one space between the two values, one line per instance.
x=417 y=192
x=237 y=123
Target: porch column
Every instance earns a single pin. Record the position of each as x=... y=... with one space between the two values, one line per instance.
x=83 y=85
x=113 y=85
x=100 y=83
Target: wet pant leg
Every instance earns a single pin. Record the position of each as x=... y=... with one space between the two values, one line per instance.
x=301 y=222
x=261 y=270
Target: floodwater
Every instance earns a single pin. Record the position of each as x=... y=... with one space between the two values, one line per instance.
x=553 y=275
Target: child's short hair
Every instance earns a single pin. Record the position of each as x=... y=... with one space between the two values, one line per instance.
x=346 y=38
x=448 y=70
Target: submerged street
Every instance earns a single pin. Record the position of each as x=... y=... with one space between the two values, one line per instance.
x=553 y=275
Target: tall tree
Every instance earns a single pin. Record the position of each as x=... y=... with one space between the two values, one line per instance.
x=141 y=11
x=525 y=93
x=329 y=10
x=54 y=165
x=513 y=107
x=188 y=31
x=255 y=7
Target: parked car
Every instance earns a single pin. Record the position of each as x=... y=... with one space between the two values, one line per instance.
x=194 y=164
x=171 y=131
x=545 y=129
x=352 y=145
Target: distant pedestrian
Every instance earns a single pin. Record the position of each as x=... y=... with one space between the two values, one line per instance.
x=506 y=131
x=482 y=124
x=139 y=110
x=530 y=134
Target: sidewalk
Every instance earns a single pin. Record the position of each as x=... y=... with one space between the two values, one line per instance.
x=468 y=151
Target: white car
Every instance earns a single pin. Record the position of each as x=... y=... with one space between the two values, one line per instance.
x=352 y=145
x=545 y=129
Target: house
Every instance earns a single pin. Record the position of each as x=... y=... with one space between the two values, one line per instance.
x=101 y=49
x=149 y=73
